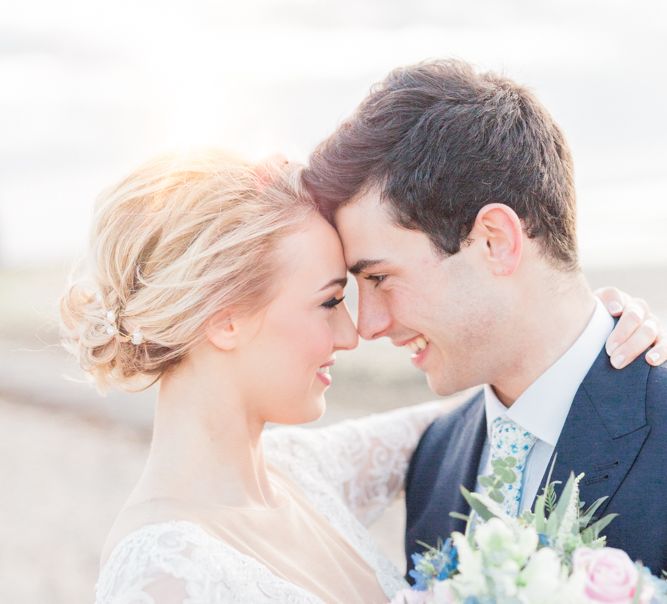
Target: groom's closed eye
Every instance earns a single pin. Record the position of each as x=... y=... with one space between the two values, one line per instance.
x=377 y=279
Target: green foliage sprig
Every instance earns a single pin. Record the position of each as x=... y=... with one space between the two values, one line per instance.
x=562 y=523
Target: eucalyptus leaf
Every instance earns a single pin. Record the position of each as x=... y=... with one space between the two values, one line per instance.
x=475 y=504
x=540 y=518
x=486 y=481
x=587 y=516
x=508 y=476
x=497 y=496
x=597 y=527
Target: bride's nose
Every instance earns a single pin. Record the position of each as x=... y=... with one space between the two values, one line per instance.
x=345 y=335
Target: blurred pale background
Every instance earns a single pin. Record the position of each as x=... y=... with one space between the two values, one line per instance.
x=89 y=89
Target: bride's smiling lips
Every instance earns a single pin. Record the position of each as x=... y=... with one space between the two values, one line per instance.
x=323 y=373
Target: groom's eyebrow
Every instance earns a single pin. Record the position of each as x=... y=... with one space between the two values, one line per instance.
x=363 y=265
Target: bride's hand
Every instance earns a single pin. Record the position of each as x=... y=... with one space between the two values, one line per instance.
x=638 y=330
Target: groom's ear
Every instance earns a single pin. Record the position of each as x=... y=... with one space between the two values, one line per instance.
x=501 y=231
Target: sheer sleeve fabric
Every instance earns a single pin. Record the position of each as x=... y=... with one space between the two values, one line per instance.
x=157 y=565
x=365 y=460
x=179 y=563
x=349 y=471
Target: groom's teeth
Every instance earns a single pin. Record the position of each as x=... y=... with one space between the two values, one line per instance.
x=418 y=344
x=324 y=370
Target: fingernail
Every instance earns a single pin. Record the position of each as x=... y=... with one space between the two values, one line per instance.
x=611 y=346
x=617 y=361
x=654 y=357
x=614 y=307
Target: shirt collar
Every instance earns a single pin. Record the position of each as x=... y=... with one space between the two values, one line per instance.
x=542 y=409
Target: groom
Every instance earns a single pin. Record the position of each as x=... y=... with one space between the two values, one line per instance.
x=454 y=197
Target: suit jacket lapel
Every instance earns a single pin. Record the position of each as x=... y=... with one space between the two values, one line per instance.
x=463 y=461
x=605 y=429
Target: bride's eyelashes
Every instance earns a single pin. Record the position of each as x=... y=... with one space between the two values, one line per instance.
x=376 y=279
x=333 y=302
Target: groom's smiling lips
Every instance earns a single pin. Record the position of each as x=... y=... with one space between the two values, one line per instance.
x=418 y=344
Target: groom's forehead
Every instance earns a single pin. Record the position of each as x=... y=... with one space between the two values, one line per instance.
x=365 y=229
x=371 y=237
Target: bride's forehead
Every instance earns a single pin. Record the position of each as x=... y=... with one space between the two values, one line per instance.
x=316 y=237
x=314 y=248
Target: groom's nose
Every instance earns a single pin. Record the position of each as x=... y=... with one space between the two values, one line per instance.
x=373 y=318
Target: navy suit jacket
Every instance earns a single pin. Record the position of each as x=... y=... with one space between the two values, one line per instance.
x=615 y=432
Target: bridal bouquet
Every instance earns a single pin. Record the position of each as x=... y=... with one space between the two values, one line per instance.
x=553 y=555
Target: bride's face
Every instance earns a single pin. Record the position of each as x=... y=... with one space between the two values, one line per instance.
x=288 y=364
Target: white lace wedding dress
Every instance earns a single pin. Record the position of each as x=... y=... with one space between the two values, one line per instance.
x=349 y=473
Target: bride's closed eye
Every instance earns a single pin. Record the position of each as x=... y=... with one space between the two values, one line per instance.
x=333 y=302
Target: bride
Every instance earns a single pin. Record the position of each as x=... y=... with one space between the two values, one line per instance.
x=222 y=283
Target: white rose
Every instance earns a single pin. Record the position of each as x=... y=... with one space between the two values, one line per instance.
x=470 y=578
x=499 y=541
x=542 y=578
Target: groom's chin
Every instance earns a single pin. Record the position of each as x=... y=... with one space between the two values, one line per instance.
x=442 y=385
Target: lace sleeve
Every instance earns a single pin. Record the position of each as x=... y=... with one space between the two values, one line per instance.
x=365 y=460
x=162 y=564
x=163 y=588
x=178 y=562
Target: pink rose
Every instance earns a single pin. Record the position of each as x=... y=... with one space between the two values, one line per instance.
x=610 y=576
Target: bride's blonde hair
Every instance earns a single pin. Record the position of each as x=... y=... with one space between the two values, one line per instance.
x=178 y=239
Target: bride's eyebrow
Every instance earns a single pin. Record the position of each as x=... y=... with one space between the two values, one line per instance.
x=341 y=281
x=362 y=265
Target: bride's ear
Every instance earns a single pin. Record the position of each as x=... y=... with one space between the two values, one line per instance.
x=222 y=330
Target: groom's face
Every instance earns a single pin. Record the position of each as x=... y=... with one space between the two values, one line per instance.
x=441 y=309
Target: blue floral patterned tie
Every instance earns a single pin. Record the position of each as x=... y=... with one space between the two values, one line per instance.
x=508 y=439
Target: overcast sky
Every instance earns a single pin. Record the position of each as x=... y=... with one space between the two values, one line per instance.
x=90 y=89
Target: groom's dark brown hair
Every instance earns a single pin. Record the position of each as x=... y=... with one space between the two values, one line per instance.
x=440 y=141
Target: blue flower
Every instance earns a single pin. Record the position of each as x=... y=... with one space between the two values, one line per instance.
x=421 y=579
x=544 y=540
x=450 y=560
x=436 y=564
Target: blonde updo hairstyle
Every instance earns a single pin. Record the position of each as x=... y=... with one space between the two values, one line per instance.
x=179 y=239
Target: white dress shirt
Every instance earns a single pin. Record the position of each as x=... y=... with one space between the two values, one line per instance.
x=544 y=406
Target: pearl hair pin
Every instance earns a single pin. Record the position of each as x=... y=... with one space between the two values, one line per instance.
x=111 y=326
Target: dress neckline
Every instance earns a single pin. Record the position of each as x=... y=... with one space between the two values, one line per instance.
x=282 y=491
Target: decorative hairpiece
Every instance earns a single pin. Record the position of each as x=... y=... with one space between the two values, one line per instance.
x=112 y=329
x=137 y=337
